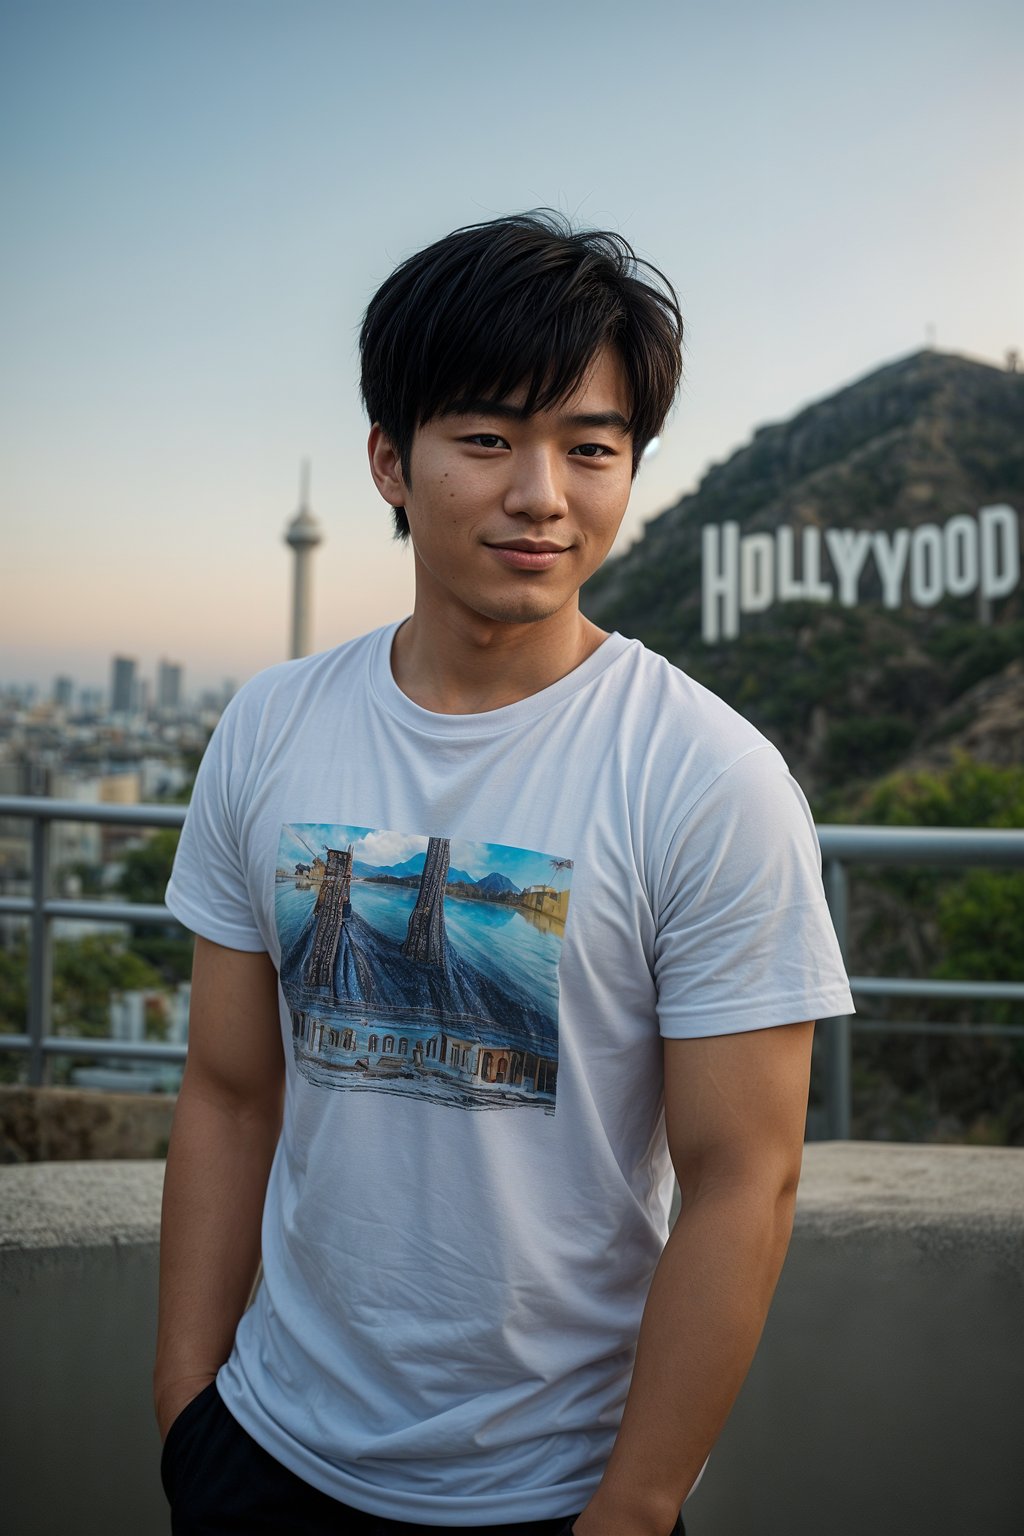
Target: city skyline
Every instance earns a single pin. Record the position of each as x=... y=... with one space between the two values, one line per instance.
x=181 y=289
x=129 y=690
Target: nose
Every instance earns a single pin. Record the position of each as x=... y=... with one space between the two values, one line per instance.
x=535 y=488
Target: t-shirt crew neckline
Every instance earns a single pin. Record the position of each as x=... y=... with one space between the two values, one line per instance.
x=492 y=722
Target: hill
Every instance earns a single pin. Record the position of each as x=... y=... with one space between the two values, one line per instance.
x=407 y=870
x=865 y=556
x=496 y=884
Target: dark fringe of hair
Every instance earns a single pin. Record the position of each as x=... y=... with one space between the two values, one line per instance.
x=519 y=303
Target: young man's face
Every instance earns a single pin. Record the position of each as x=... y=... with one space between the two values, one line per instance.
x=510 y=514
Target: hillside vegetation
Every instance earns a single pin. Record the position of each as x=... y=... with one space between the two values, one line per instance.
x=906 y=715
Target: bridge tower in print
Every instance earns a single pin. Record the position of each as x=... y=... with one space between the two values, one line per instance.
x=333 y=905
x=425 y=937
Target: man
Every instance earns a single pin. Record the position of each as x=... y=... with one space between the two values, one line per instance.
x=500 y=920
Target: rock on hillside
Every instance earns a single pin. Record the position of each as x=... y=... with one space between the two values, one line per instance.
x=985 y=723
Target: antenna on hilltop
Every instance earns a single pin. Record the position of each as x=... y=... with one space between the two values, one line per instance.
x=929 y=336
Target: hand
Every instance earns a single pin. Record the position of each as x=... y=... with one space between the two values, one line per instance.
x=173 y=1397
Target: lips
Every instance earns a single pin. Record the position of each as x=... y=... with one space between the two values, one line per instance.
x=531 y=546
x=529 y=554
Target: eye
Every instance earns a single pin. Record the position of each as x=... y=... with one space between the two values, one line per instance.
x=593 y=451
x=486 y=440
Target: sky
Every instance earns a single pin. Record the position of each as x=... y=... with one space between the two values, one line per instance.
x=384 y=849
x=201 y=197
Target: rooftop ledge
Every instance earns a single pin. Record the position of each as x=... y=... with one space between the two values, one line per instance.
x=885 y=1396
x=968 y=1194
x=846 y=1187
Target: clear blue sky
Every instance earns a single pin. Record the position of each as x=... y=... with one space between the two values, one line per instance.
x=200 y=197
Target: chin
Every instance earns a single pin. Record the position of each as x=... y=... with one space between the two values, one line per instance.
x=521 y=610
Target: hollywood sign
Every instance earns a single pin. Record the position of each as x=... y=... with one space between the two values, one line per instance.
x=748 y=574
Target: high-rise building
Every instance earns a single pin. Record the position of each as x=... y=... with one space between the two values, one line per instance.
x=62 y=689
x=122 y=686
x=168 y=685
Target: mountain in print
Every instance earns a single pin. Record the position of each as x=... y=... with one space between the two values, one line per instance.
x=405 y=871
x=496 y=884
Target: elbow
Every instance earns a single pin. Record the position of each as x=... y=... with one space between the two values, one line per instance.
x=783 y=1214
x=782 y=1190
x=755 y=1196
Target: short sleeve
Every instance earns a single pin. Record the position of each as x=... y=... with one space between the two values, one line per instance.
x=744 y=935
x=208 y=891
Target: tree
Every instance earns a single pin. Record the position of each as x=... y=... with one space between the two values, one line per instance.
x=969 y=794
x=13 y=1004
x=86 y=972
x=955 y=925
x=144 y=876
x=147 y=869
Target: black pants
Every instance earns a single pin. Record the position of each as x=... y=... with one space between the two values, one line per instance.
x=218 y=1480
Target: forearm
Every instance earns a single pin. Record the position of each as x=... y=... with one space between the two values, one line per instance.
x=218 y=1163
x=702 y=1322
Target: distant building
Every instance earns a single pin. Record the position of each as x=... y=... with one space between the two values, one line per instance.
x=168 y=686
x=177 y=1018
x=62 y=690
x=122 y=685
x=543 y=898
x=119 y=789
x=128 y=1016
x=74 y=843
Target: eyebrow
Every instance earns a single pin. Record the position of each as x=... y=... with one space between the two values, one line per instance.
x=506 y=412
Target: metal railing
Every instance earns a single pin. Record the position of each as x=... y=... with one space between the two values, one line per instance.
x=841 y=846
x=951 y=847
x=43 y=910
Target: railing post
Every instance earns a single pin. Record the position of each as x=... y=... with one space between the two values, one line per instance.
x=41 y=954
x=837 y=1031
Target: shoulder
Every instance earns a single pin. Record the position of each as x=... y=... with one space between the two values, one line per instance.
x=677 y=699
x=290 y=686
x=269 y=716
x=687 y=738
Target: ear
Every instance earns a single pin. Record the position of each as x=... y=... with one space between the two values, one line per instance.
x=385 y=466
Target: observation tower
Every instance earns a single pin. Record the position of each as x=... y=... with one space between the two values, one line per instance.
x=303 y=534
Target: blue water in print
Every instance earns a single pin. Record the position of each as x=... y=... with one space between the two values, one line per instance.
x=498 y=940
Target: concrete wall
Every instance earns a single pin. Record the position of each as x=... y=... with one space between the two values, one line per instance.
x=78 y=1281
x=886 y=1397
x=59 y=1125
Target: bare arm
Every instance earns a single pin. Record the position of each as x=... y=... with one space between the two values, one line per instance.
x=225 y=1130
x=734 y=1107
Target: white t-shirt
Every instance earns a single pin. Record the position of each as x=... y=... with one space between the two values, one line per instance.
x=482 y=925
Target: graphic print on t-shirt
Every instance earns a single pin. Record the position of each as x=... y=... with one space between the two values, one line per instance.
x=422 y=965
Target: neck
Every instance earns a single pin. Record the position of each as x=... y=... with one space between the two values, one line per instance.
x=465 y=664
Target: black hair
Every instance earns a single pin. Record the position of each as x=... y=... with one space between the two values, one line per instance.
x=524 y=302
